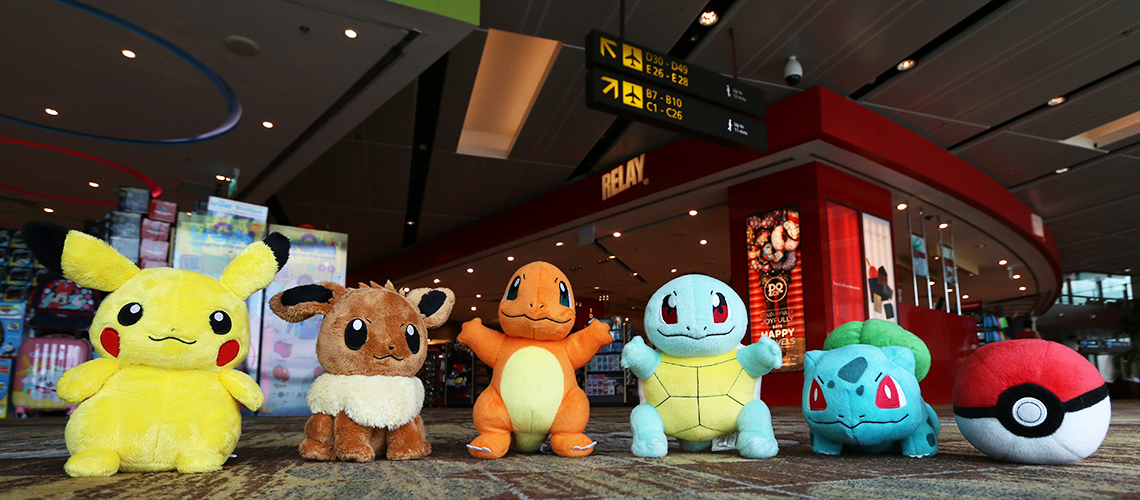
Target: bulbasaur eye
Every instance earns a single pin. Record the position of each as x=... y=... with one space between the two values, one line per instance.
x=563 y=294
x=130 y=314
x=355 y=334
x=220 y=322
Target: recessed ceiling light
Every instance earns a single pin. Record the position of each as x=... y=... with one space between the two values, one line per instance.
x=407 y=289
x=411 y=223
x=692 y=212
x=1003 y=262
x=435 y=280
x=949 y=290
x=901 y=206
x=1057 y=100
x=613 y=257
x=1061 y=170
x=48 y=210
x=470 y=270
x=267 y=124
x=708 y=18
x=944 y=225
x=931 y=283
x=51 y=111
x=478 y=295
x=558 y=244
x=1128 y=270
x=1017 y=276
x=906 y=64
x=673 y=271
x=704 y=242
x=597 y=287
x=220 y=177
x=472 y=308
x=965 y=297
x=128 y=54
x=617 y=234
x=93 y=184
x=1021 y=288
x=510 y=258
x=350 y=33
x=635 y=274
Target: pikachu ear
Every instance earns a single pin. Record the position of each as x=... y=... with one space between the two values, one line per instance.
x=434 y=304
x=255 y=267
x=79 y=257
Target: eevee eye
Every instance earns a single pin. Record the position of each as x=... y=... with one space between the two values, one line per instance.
x=413 y=338
x=355 y=334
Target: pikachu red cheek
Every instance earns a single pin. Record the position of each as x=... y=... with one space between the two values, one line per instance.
x=227 y=352
x=109 y=339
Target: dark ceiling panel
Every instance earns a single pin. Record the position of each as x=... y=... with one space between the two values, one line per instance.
x=1092 y=184
x=1109 y=218
x=653 y=23
x=459 y=80
x=1088 y=110
x=390 y=124
x=1013 y=158
x=1069 y=236
x=1108 y=254
x=467 y=186
x=637 y=139
x=941 y=131
x=1027 y=54
x=842 y=45
x=353 y=175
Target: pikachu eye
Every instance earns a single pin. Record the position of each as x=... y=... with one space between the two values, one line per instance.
x=130 y=314
x=220 y=322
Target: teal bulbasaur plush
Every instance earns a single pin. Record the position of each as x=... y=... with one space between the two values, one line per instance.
x=867 y=399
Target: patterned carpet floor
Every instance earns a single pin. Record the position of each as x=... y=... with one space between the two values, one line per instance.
x=267 y=465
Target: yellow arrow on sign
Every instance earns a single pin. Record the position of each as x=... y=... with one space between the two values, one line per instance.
x=611 y=84
x=608 y=46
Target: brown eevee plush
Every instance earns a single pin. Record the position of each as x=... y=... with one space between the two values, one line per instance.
x=373 y=341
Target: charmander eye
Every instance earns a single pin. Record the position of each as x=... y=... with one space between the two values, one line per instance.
x=355 y=334
x=563 y=294
x=130 y=314
x=513 y=291
x=220 y=322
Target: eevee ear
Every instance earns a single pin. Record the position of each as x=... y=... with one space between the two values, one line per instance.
x=255 y=267
x=79 y=257
x=300 y=303
x=434 y=304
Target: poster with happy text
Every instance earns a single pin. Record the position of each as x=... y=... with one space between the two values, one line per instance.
x=775 y=283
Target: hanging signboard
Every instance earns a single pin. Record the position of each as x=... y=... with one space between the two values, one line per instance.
x=665 y=108
x=603 y=49
x=918 y=256
x=879 y=254
x=775 y=283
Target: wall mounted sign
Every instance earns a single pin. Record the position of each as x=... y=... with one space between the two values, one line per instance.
x=878 y=254
x=623 y=177
x=775 y=283
x=847 y=283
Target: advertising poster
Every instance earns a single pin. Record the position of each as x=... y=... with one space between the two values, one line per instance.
x=847 y=302
x=775 y=283
x=949 y=264
x=878 y=254
x=918 y=256
x=206 y=244
x=288 y=353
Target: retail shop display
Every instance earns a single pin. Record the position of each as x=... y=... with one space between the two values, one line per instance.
x=1031 y=401
x=168 y=342
x=866 y=397
x=41 y=363
x=701 y=387
x=605 y=377
x=535 y=393
x=372 y=342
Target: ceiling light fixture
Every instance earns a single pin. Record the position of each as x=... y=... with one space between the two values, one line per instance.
x=478 y=295
x=406 y=289
x=51 y=111
x=350 y=33
x=510 y=258
x=470 y=270
x=931 y=283
x=906 y=64
x=692 y=213
x=1061 y=170
x=617 y=234
x=901 y=206
x=635 y=274
x=435 y=280
x=673 y=271
x=472 y=308
x=1017 y=276
x=93 y=184
x=944 y=225
x=267 y=124
x=48 y=210
x=613 y=257
x=1128 y=270
x=558 y=244
x=704 y=242
x=128 y=54
x=1003 y=262
x=708 y=18
x=964 y=297
x=411 y=223
x=1057 y=100
x=1021 y=288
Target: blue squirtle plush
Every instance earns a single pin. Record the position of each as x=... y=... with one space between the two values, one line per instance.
x=702 y=383
x=867 y=398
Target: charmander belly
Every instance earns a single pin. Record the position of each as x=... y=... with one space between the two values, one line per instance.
x=532 y=387
x=149 y=416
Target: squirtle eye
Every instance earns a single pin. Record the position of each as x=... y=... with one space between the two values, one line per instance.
x=513 y=291
x=220 y=322
x=889 y=395
x=130 y=314
x=563 y=294
x=413 y=338
x=669 y=310
x=816 y=401
x=355 y=334
x=720 y=308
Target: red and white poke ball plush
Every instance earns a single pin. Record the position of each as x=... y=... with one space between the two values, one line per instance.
x=1031 y=401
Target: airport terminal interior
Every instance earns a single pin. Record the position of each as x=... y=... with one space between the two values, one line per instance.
x=569 y=249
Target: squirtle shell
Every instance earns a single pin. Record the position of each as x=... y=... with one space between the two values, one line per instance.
x=699 y=398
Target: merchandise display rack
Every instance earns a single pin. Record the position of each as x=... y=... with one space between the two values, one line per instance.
x=606 y=380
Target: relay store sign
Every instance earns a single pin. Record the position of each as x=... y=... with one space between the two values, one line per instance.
x=623 y=177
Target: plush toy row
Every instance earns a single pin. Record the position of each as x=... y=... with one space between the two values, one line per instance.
x=164 y=394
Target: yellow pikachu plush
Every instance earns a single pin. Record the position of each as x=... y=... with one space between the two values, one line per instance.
x=164 y=394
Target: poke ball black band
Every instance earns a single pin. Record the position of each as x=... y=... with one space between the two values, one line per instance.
x=1029 y=410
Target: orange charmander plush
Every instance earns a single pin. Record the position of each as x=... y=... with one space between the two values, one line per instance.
x=533 y=392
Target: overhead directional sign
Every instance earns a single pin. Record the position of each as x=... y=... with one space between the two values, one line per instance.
x=656 y=68
x=662 y=106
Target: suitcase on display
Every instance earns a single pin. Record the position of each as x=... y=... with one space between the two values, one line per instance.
x=39 y=365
